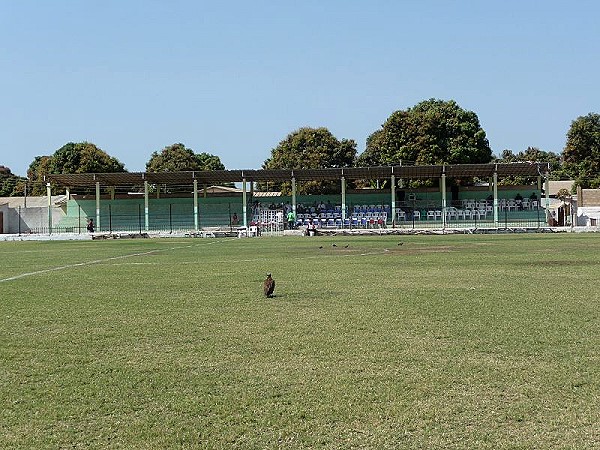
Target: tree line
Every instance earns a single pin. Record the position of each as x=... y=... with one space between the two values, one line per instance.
x=431 y=132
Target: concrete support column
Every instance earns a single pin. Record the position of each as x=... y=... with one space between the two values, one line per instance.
x=294 y=196
x=146 y=209
x=196 y=205
x=98 y=205
x=547 y=195
x=393 y=191
x=443 y=189
x=495 y=181
x=245 y=202
x=49 y=194
x=343 y=198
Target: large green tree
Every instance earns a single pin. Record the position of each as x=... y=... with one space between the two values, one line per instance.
x=432 y=132
x=581 y=154
x=178 y=158
x=11 y=185
x=173 y=158
x=83 y=157
x=73 y=157
x=38 y=168
x=311 y=148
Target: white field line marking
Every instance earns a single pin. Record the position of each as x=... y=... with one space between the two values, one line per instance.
x=70 y=266
x=96 y=261
x=253 y=260
x=115 y=258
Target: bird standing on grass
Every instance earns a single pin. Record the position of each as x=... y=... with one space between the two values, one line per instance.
x=269 y=286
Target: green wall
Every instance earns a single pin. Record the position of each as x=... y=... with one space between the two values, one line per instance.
x=178 y=213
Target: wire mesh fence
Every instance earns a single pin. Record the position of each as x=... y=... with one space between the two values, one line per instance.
x=177 y=215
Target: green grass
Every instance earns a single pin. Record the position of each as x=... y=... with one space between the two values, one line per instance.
x=487 y=342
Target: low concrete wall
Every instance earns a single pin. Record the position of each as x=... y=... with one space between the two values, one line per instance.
x=28 y=220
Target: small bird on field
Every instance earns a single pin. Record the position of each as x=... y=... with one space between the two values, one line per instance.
x=400 y=243
x=269 y=286
x=320 y=246
x=333 y=245
x=347 y=245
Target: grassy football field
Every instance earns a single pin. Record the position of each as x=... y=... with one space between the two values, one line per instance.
x=456 y=342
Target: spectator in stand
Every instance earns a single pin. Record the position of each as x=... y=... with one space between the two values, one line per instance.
x=519 y=201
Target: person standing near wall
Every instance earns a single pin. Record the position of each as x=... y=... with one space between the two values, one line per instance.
x=291 y=219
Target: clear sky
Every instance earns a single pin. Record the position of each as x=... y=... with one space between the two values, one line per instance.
x=234 y=78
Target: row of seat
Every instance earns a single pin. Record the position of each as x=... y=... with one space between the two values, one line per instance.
x=371 y=209
x=348 y=222
x=510 y=204
x=451 y=214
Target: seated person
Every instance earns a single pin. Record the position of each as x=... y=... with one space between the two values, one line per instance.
x=519 y=201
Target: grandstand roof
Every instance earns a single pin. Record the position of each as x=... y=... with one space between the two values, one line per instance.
x=527 y=169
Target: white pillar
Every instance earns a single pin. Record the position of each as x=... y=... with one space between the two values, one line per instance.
x=443 y=186
x=343 y=199
x=244 y=201
x=196 y=205
x=294 y=196
x=393 y=189
x=49 y=194
x=495 y=198
x=146 y=209
x=98 y=205
x=547 y=195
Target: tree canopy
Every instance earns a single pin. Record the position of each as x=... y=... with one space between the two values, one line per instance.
x=311 y=148
x=581 y=154
x=432 y=132
x=206 y=161
x=531 y=154
x=80 y=157
x=83 y=157
x=11 y=184
x=178 y=158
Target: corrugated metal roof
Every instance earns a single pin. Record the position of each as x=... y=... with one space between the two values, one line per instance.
x=352 y=173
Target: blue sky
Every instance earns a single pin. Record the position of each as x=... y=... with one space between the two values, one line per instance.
x=234 y=78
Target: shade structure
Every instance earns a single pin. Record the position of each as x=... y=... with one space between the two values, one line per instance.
x=213 y=177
